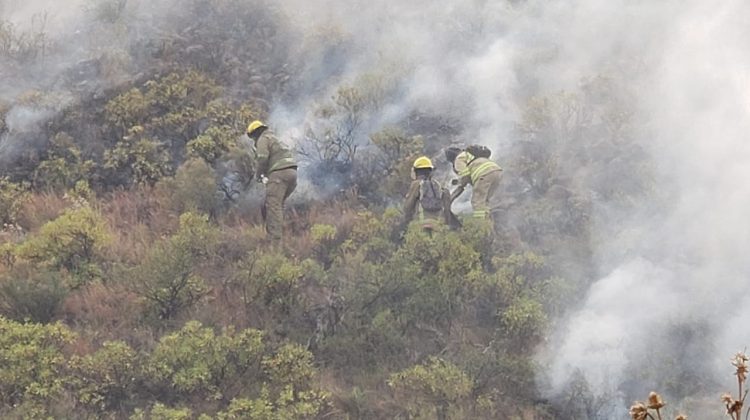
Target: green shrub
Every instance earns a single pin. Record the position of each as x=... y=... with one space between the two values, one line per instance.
x=75 y=241
x=523 y=322
x=289 y=405
x=162 y=102
x=106 y=380
x=270 y=280
x=371 y=236
x=128 y=110
x=137 y=159
x=437 y=389
x=442 y=269
x=291 y=365
x=190 y=361
x=160 y=411
x=195 y=362
x=212 y=144
x=167 y=278
x=32 y=362
x=64 y=165
x=244 y=409
x=519 y=296
x=11 y=199
x=288 y=394
x=28 y=294
x=192 y=189
x=394 y=159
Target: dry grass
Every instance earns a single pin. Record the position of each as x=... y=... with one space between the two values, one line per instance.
x=136 y=219
x=108 y=312
x=40 y=208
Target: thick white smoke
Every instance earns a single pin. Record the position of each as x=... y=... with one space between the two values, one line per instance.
x=679 y=260
x=685 y=263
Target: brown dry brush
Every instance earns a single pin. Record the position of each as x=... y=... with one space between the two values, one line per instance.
x=734 y=405
x=652 y=409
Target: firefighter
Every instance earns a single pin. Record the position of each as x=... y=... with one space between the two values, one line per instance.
x=426 y=197
x=484 y=177
x=276 y=168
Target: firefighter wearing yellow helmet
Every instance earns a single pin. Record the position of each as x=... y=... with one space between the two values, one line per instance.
x=277 y=169
x=426 y=197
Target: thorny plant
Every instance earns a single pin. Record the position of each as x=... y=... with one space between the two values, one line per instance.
x=734 y=405
x=643 y=411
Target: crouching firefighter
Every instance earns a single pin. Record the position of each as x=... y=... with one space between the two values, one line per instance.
x=481 y=173
x=275 y=167
x=427 y=198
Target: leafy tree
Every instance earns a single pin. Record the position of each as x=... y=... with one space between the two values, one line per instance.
x=435 y=389
x=167 y=103
x=211 y=144
x=128 y=110
x=137 y=159
x=336 y=146
x=64 y=166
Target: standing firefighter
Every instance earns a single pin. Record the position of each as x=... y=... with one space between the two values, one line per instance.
x=474 y=168
x=426 y=197
x=275 y=167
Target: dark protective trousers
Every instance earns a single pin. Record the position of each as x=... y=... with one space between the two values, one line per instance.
x=280 y=185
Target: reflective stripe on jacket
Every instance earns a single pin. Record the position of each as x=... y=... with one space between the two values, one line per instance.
x=480 y=167
x=472 y=168
x=461 y=164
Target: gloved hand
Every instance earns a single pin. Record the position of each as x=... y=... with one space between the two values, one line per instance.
x=263 y=179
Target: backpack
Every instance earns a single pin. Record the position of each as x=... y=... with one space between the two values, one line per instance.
x=430 y=196
x=477 y=150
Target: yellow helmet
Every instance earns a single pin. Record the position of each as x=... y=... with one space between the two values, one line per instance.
x=423 y=163
x=255 y=125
